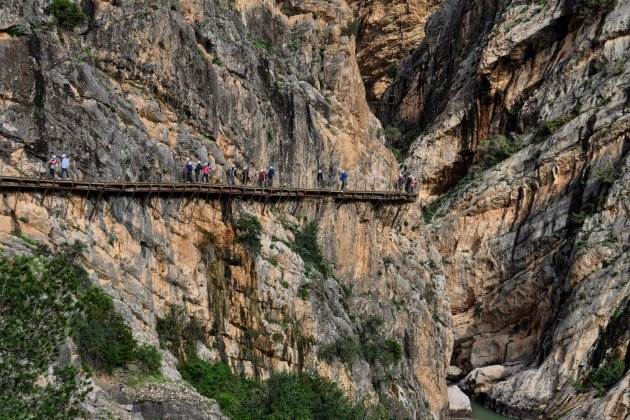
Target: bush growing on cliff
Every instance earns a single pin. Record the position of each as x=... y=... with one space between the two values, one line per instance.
x=37 y=305
x=549 y=127
x=282 y=396
x=352 y=28
x=178 y=332
x=607 y=375
x=105 y=341
x=248 y=231
x=497 y=149
x=307 y=247
x=66 y=13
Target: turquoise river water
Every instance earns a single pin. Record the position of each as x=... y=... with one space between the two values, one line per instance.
x=482 y=413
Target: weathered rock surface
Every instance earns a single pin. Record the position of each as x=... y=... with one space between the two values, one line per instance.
x=386 y=32
x=530 y=279
x=148 y=84
x=458 y=403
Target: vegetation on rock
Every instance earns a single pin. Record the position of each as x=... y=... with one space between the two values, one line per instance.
x=282 y=396
x=307 y=247
x=178 y=332
x=248 y=230
x=44 y=301
x=66 y=12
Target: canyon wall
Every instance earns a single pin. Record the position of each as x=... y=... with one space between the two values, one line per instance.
x=531 y=239
x=141 y=87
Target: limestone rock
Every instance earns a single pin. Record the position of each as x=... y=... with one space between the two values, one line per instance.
x=458 y=403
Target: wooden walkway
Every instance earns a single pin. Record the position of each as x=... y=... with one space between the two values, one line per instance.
x=199 y=190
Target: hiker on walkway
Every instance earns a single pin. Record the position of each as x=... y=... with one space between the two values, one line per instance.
x=270 y=174
x=188 y=171
x=52 y=166
x=410 y=184
x=205 y=173
x=232 y=175
x=245 y=176
x=344 y=179
x=198 y=169
x=413 y=184
x=65 y=166
x=320 y=179
x=262 y=178
x=401 y=181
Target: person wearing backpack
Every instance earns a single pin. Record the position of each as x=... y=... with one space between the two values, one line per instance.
x=188 y=170
x=270 y=174
x=52 y=166
x=198 y=169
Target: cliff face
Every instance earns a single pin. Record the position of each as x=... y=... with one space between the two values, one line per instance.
x=387 y=32
x=523 y=152
x=513 y=265
x=143 y=86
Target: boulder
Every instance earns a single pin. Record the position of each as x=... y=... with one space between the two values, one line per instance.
x=458 y=404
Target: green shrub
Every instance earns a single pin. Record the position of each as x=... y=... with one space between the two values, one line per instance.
x=497 y=149
x=37 y=305
x=352 y=28
x=17 y=30
x=178 y=332
x=147 y=358
x=398 y=143
x=248 y=231
x=215 y=380
x=345 y=349
x=301 y=396
x=217 y=61
x=607 y=375
x=263 y=44
x=549 y=127
x=66 y=13
x=607 y=173
x=304 y=291
x=282 y=396
x=104 y=340
x=392 y=71
x=307 y=247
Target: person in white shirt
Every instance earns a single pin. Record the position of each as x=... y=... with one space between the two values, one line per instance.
x=65 y=166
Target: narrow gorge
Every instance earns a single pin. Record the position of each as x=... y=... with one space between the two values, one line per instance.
x=506 y=282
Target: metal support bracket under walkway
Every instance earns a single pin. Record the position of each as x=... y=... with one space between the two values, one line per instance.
x=212 y=191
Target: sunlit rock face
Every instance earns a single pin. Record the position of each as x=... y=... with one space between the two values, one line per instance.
x=533 y=244
x=146 y=85
x=512 y=267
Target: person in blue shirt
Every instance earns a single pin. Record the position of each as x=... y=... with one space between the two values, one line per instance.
x=188 y=171
x=344 y=179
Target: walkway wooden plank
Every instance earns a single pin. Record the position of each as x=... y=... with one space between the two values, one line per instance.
x=9 y=183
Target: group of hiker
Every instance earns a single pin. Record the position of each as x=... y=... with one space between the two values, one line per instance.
x=406 y=182
x=201 y=172
x=55 y=164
